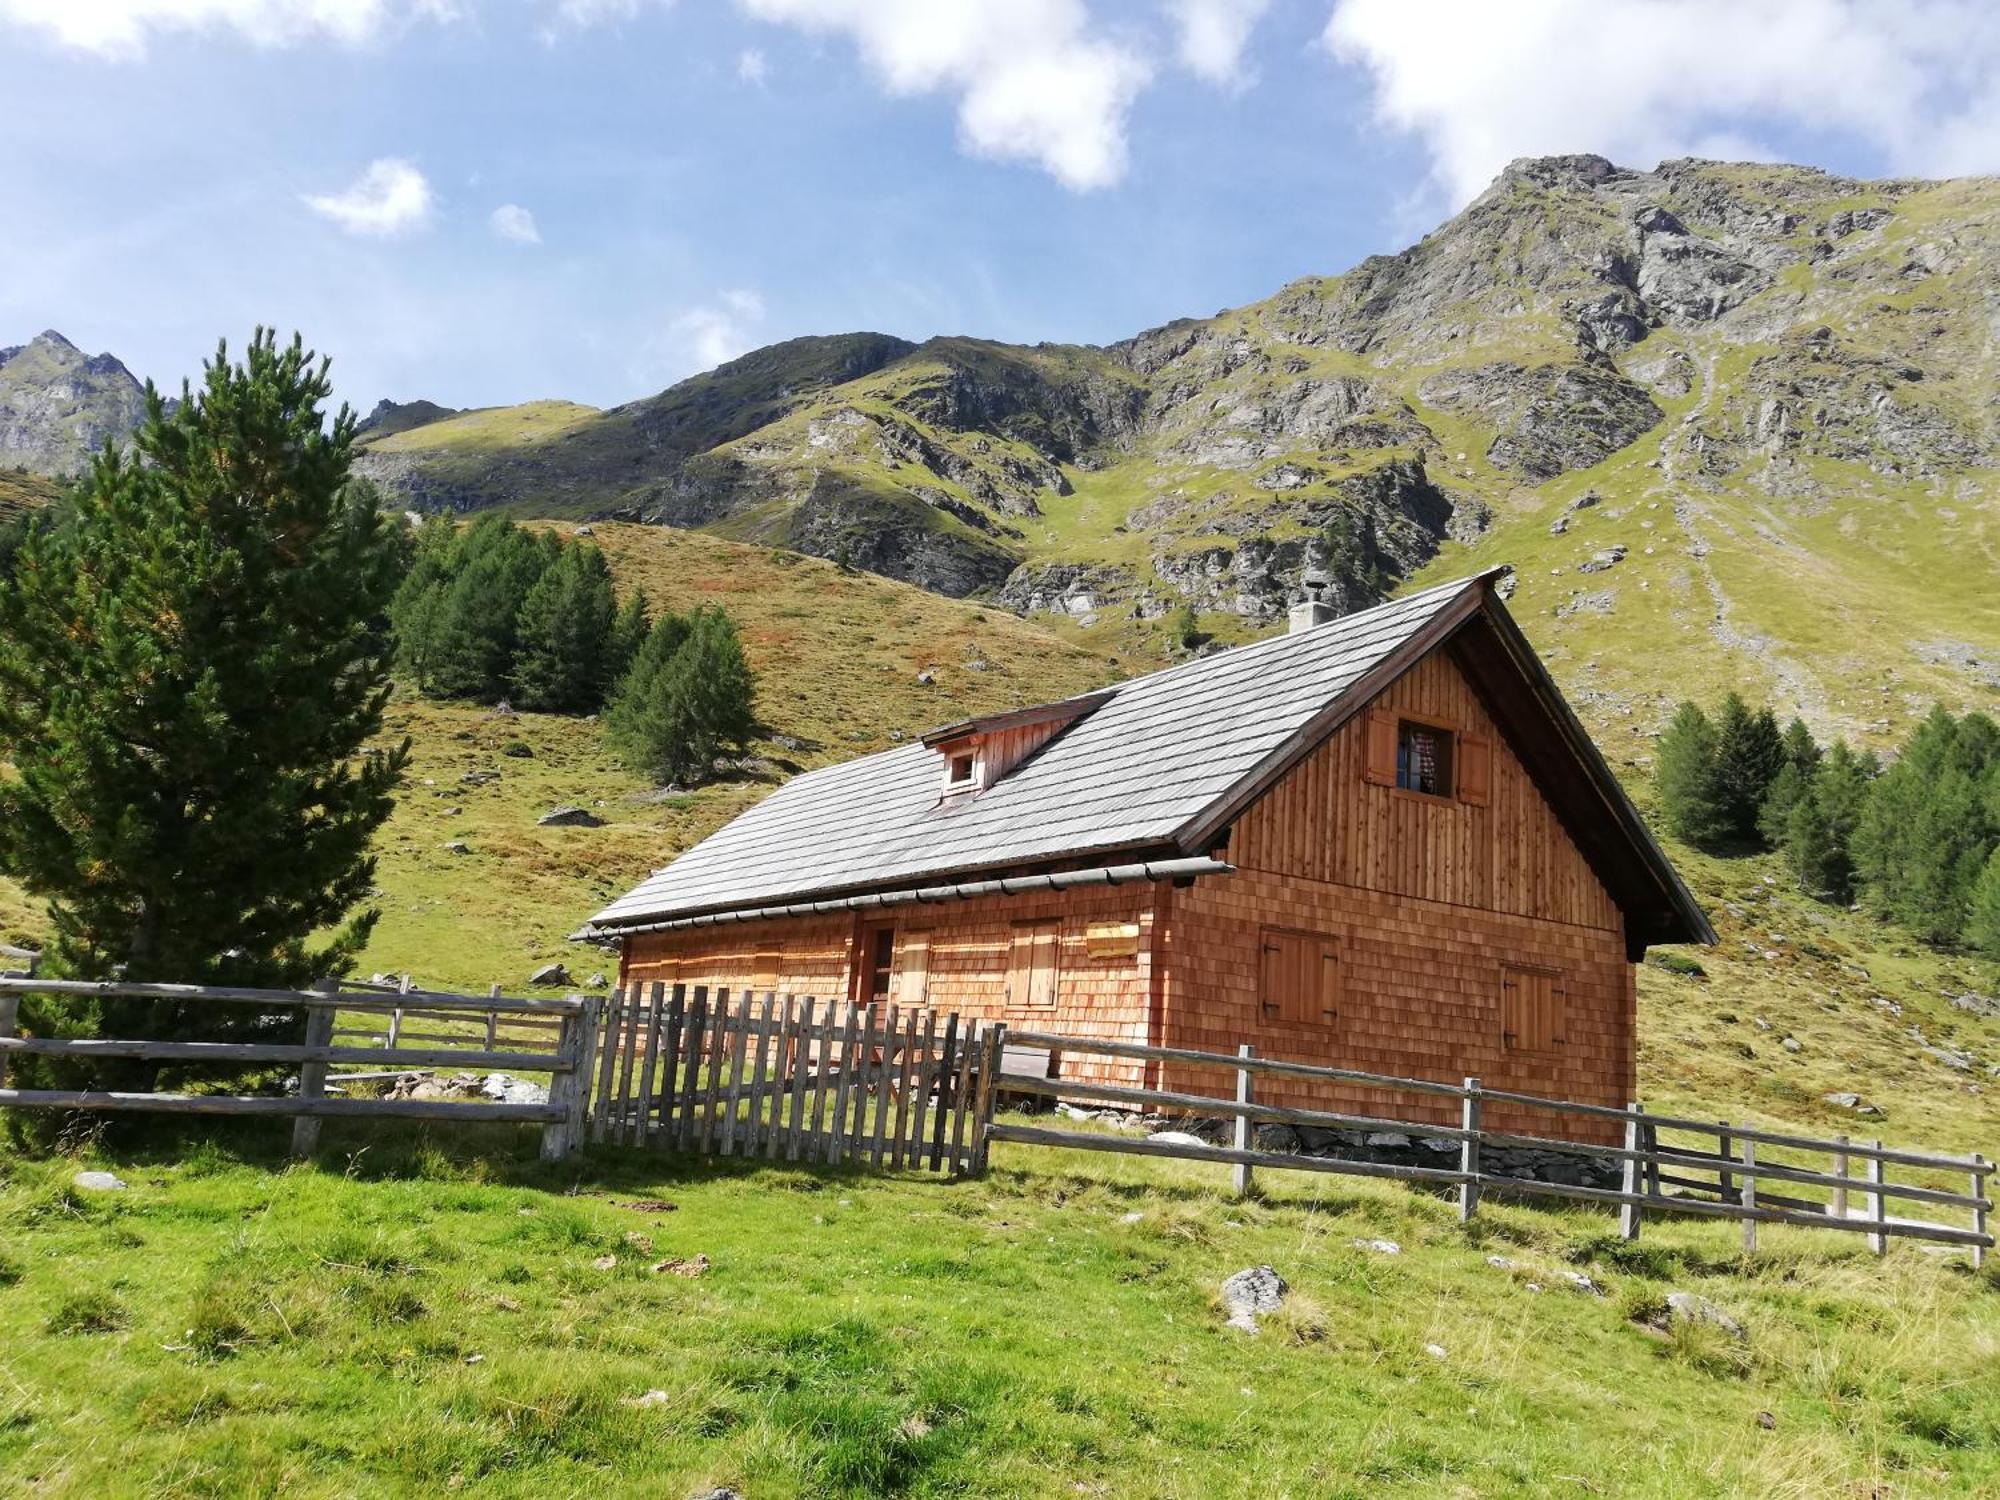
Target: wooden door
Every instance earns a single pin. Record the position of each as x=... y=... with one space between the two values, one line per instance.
x=1033 y=964
x=1533 y=1006
x=913 y=965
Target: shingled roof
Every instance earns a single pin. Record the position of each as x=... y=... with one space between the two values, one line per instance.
x=1152 y=770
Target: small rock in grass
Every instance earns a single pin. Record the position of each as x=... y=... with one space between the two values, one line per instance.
x=1767 y=1420
x=605 y=1262
x=1437 y=1351
x=1583 y=1283
x=1176 y=1138
x=551 y=976
x=456 y=846
x=99 y=1182
x=1535 y=1286
x=1256 y=1289
x=475 y=1359
x=698 y=1266
x=1499 y=1263
x=723 y=1493
x=1792 y=1044
x=650 y=1398
x=569 y=816
x=1132 y=1218
x=1686 y=1307
x=596 y=981
x=1380 y=1247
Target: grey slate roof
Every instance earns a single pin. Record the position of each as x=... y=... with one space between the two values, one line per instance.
x=1162 y=751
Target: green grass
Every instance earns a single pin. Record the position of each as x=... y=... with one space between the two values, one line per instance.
x=420 y=1314
x=490 y=428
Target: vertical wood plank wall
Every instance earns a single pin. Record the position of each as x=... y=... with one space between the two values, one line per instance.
x=1428 y=899
x=1324 y=822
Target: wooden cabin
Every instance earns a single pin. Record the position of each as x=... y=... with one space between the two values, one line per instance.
x=1381 y=842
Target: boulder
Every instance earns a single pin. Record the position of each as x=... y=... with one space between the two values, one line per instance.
x=569 y=817
x=505 y=1088
x=99 y=1182
x=1687 y=1307
x=1176 y=1138
x=456 y=846
x=1851 y=1101
x=550 y=976
x=1257 y=1289
x=1380 y=1247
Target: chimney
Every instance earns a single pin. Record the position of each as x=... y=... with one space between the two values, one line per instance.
x=1312 y=609
x=1308 y=613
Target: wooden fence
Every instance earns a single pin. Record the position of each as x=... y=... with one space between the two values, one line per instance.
x=777 y=1077
x=475 y=1029
x=1716 y=1169
x=561 y=1117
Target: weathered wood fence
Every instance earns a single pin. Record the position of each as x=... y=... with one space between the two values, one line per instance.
x=778 y=1077
x=493 y=1028
x=561 y=1117
x=1733 y=1171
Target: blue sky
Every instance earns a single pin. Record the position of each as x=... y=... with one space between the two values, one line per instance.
x=482 y=201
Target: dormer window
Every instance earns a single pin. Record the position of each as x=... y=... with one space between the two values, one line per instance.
x=977 y=753
x=961 y=771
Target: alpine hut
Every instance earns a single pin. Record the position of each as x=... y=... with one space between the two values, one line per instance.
x=1381 y=842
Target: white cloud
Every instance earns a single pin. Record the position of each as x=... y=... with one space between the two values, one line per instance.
x=1638 y=80
x=1210 y=35
x=514 y=224
x=575 y=15
x=121 y=27
x=703 y=337
x=751 y=66
x=1034 y=80
x=388 y=199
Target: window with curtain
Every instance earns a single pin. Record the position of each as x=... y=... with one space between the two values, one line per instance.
x=1423 y=759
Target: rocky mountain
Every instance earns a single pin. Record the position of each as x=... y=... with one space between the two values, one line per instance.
x=58 y=406
x=1741 y=413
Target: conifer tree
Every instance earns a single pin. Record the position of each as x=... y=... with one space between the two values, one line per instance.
x=192 y=666
x=1691 y=799
x=1793 y=781
x=474 y=636
x=1982 y=923
x=628 y=634
x=1930 y=824
x=687 y=697
x=1748 y=754
x=565 y=635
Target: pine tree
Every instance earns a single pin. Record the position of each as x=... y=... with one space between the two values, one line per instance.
x=1793 y=781
x=475 y=638
x=1930 y=825
x=687 y=697
x=1819 y=832
x=419 y=603
x=1982 y=922
x=1690 y=787
x=565 y=633
x=1749 y=751
x=628 y=634
x=192 y=666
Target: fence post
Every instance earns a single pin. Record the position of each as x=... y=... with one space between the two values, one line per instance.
x=989 y=1094
x=1978 y=1213
x=493 y=1019
x=312 y=1075
x=1838 y=1207
x=1240 y=1174
x=1628 y=1212
x=1468 y=1152
x=567 y=1088
x=1724 y=1145
x=10 y=1024
x=1749 y=1191
x=1878 y=1244
x=396 y=1015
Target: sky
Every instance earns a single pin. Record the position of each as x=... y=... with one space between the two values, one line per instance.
x=487 y=201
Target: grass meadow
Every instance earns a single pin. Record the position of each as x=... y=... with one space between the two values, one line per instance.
x=431 y=1311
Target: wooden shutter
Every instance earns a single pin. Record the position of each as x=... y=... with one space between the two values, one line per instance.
x=1475 y=769
x=1298 y=977
x=913 y=968
x=1032 y=965
x=1380 y=766
x=1534 y=1007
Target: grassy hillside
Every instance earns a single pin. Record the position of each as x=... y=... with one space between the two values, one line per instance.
x=418 y=1318
x=20 y=492
x=838 y=657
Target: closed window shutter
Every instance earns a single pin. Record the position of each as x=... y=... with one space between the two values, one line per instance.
x=913 y=966
x=1032 y=965
x=1329 y=980
x=1380 y=769
x=1475 y=770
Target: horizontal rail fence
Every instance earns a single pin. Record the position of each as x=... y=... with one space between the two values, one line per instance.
x=561 y=1117
x=531 y=1040
x=781 y=1078
x=1667 y=1164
